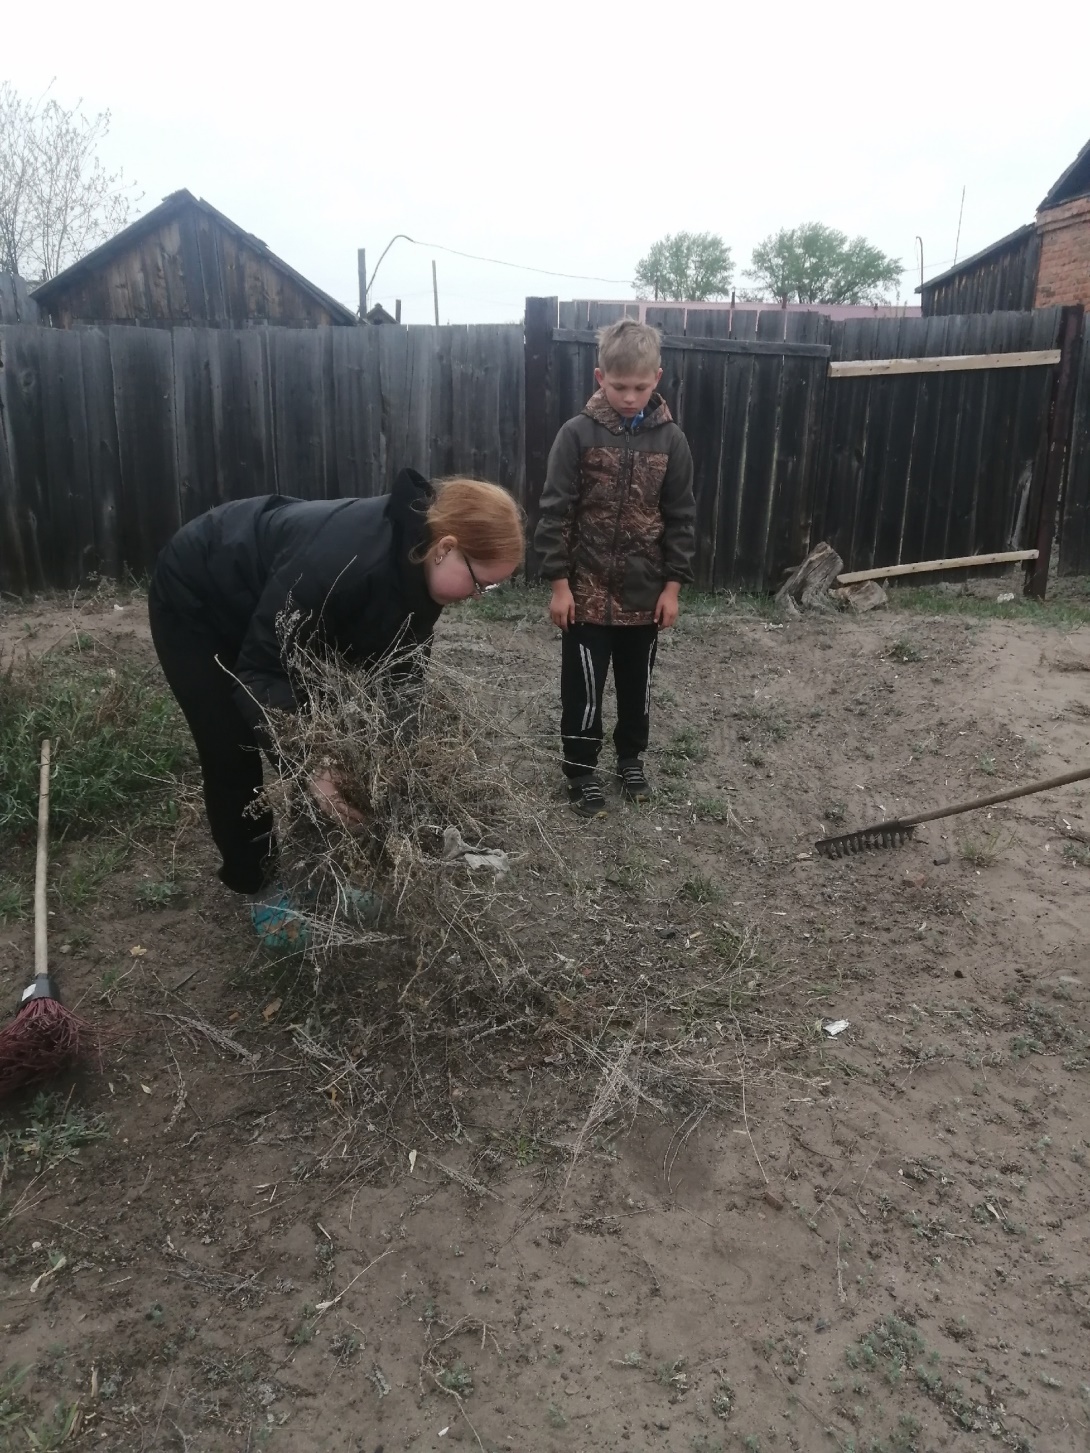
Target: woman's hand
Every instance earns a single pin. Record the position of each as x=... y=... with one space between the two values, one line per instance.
x=325 y=790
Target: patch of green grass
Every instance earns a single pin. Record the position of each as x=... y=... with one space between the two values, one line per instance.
x=55 y=1132
x=890 y=1346
x=715 y=809
x=631 y=874
x=980 y=851
x=14 y=901
x=457 y=1379
x=512 y=601
x=1060 y=611
x=904 y=651
x=117 y=738
x=762 y=722
x=700 y=889
x=673 y=1376
x=723 y=1399
x=724 y=604
x=1075 y=852
x=158 y=895
x=986 y=763
x=12 y=1408
x=684 y=748
x=835 y=812
x=527 y=1150
x=55 y=1429
x=85 y=872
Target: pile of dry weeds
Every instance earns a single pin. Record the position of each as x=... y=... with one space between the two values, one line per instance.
x=462 y=977
x=446 y=815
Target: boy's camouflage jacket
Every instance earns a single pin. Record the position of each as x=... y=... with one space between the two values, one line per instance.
x=617 y=512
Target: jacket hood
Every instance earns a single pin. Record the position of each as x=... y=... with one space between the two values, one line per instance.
x=407 y=512
x=597 y=408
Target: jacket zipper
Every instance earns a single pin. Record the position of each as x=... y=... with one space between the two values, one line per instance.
x=626 y=478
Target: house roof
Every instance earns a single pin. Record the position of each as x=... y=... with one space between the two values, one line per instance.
x=1011 y=240
x=1074 y=182
x=168 y=208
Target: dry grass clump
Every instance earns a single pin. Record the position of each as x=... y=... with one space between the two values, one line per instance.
x=462 y=977
x=415 y=750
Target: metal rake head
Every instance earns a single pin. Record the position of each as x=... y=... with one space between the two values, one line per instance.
x=882 y=835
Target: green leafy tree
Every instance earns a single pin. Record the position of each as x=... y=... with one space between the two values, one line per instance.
x=688 y=266
x=818 y=264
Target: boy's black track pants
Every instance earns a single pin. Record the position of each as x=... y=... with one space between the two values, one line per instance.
x=584 y=665
x=229 y=751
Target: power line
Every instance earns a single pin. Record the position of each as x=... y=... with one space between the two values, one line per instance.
x=520 y=267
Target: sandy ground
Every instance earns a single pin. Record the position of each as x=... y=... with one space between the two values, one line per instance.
x=877 y=1241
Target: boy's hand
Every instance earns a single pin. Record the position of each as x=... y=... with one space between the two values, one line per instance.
x=668 y=606
x=562 y=605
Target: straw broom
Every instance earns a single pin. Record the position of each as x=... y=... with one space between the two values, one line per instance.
x=44 y=1036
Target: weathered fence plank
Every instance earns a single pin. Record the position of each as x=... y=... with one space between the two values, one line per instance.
x=1059 y=434
x=103 y=451
x=66 y=457
x=143 y=375
x=295 y=369
x=1075 y=531
x=198 y=420
x=21 y=403
x=704 y=389
x=541 y=365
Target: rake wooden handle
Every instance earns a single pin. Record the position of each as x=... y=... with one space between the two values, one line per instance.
x=41 y=956
x=1062 y=781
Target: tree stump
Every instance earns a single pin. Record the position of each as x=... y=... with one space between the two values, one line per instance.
x=808 y=588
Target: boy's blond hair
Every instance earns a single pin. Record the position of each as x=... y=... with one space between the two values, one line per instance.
x=629 y=347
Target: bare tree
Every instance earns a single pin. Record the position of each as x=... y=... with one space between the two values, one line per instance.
x=57 y=198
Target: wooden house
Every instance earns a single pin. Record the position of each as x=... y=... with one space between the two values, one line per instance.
x=184 y=262
x=1036 y=266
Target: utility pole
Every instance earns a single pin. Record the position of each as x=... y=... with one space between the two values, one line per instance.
x=435 y=291
x=397 y=310
x=361 y=261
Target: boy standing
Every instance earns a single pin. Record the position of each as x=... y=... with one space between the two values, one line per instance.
x=615 y=536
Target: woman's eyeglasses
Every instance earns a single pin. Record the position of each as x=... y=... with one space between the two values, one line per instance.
x=478 y=588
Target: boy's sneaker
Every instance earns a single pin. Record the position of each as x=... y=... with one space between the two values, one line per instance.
x=634 y=783
x=278 y=925
x=586 y=796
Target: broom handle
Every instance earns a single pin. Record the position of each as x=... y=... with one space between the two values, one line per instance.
x=41 y=957
x=1012 y=792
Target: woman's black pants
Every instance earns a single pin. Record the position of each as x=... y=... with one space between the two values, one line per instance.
x=228 y=747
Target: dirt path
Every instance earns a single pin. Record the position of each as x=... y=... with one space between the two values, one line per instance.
x=886 y=1248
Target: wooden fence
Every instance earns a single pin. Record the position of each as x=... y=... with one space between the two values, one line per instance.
x=1074 y=532
x=876 y=434
x=787 y=449
x=111 y=438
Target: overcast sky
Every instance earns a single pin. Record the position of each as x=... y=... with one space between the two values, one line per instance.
x=570 y=136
